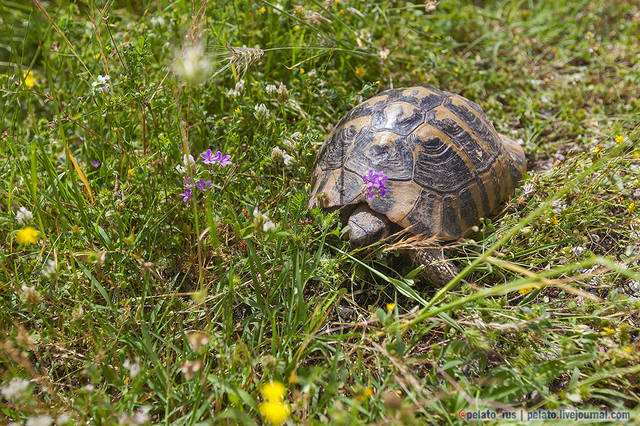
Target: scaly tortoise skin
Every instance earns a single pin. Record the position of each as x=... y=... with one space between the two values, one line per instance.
x=447 y=165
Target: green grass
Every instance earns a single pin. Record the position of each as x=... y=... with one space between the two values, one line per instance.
x=544 y=314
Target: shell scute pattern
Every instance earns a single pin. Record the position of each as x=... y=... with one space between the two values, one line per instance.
x=401 y=118
x=447 y=166
x=438 y=167
x=400 y=197
x=382 y=151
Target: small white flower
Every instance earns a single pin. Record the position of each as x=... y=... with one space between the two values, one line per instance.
x=89 y=388
x=528 y=188
x=190 y=368
x=287 y=159
x=384 y=53
x=288 y=144
x=43 y=420
x=30 y=295
x=237 y=90
x=197 y=340
x=15 y=390
x=133 y=367
x=63 y=419
x=261 y=112
x=188 y=159
x=283 y=92
x=277 y=154
x=101 y=84
x=558 y=206
x=577 y=251
x=271 y=89
x=262 y=221
x=24 y=215
x=268 y=226
x=49 y=271
x=140 y=417
x=430 y=5
x=157 y=21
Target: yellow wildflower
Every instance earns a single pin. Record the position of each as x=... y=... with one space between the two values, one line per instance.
x=131 y=173
x=360 y=71
x=367 y=393
x=29 y=81
x=262 y=10
x=27 y=235
x=301 y=70
x=537 y=374
x=390 y=307
x=627 y=349
x=456 y=69
x=273 y=391
x=97 y=55
x=528 y=289
x=631 y=207
x=598 y=150
x=608 y=330
x=274 y=412
x=619 y=138
x=237 y=110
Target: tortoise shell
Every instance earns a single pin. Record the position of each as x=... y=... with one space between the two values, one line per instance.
x=447 y=166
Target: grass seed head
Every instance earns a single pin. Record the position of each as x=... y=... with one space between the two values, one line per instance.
x=192 y=64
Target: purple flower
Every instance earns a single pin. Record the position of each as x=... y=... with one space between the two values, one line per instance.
x=217 y=158
x=204 y=184
x=186 y=194
x=95 y=163
x=222 y=160
x=208 y=159
x=375 y=184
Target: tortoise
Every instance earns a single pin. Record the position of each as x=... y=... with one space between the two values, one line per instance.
x=446 y=165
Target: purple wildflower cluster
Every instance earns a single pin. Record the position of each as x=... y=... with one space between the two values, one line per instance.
x=208 y=158
x=217 y=158
x=375 y=184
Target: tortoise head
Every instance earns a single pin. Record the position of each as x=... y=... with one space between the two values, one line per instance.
x=518 y=163
x=367 y=227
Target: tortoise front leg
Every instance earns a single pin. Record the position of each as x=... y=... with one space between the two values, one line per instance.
x=438 y=271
